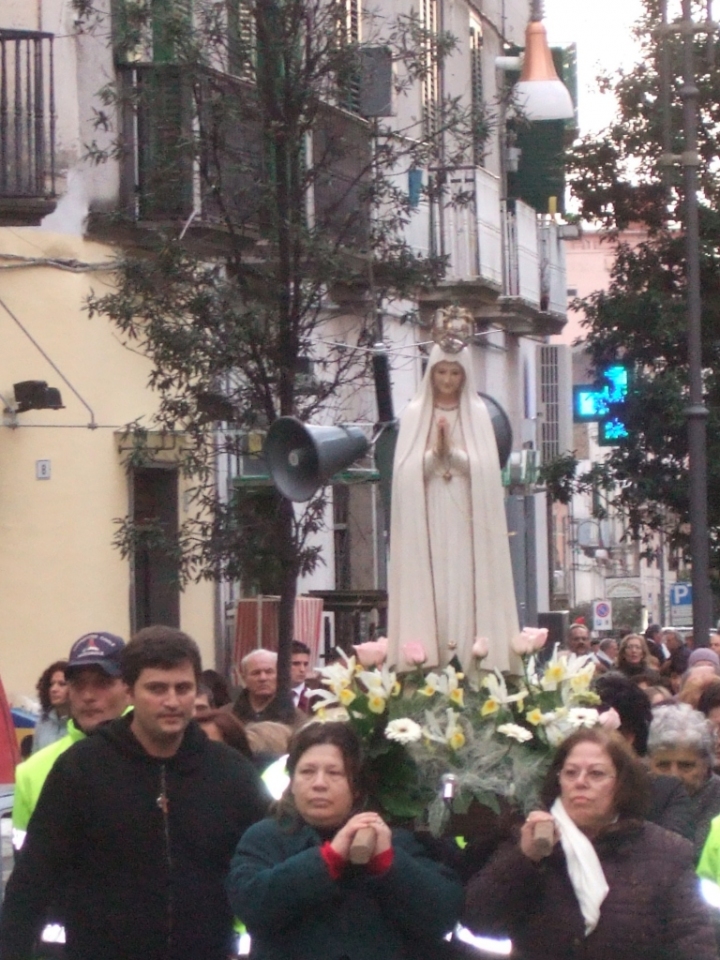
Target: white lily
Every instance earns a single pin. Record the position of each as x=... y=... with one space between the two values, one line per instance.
x=339 y=675
x=382 y=681
x=495 y=684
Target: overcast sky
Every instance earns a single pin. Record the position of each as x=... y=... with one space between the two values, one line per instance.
x=602 y=31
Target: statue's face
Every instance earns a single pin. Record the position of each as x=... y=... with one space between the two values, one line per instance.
x=448 y=379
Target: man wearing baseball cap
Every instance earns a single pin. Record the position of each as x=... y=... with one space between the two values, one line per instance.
x=96 y=693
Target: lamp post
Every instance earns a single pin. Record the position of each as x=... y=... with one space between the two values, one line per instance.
x=696 y=411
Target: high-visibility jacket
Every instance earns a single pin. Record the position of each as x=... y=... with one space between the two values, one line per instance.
x=709 y=865
x=30 y=776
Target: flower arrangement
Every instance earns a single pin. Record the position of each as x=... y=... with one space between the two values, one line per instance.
x=494 y=735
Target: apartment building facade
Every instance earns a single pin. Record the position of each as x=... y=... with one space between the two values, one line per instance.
x=64 y=477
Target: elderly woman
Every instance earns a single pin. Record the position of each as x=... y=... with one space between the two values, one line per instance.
x=681 y=744
x=605 y=884
x=295 y=888
x=634 y=656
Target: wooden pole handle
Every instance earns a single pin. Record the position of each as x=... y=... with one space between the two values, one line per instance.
x=544 y=838
x=362 y=847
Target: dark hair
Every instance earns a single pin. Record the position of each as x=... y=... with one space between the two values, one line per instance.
x=709 y=698
x=203 y=690
x=43 y=684
x=158 y=646
x=632 y=705
x=652 y=631
x=632 y=787
x=218 y=686
x=231 y=729
x=315 y=734
x=299 y=647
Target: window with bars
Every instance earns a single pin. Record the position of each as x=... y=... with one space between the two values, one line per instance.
x=430 y=82
x=476 y=91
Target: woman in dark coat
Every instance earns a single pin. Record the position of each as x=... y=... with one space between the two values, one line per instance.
x=292 y=884
x=606 y=884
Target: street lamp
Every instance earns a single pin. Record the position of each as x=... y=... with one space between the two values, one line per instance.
x=539 y=93
x=696 y=411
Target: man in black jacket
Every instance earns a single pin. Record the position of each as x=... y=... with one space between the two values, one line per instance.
x=136 y=825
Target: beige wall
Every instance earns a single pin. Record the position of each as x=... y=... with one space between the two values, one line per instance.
x=59 y=574
x=589 y=262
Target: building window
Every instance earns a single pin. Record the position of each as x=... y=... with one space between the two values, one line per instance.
x=156 y=582
x=476 y=92
x=431 y=80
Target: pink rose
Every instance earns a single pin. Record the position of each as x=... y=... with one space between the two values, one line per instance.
x=610 y=719
x=414 y=652
x=373 y=653
x=481 y=648
x=529 y=641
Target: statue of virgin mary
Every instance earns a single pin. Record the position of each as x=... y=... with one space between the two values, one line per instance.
x=450 y=573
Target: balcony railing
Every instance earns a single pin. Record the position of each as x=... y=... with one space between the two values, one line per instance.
x=553 y=276
x=522 y=261
x=27 y=115
x=498 y=252
x=467 y=226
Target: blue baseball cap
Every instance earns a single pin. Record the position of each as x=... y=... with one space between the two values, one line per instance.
x=96 y=650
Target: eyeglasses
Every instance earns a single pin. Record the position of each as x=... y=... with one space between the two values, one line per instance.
x=595 y=777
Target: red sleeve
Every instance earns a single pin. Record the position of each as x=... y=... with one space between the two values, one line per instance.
x=334 y=861
x=382 y=862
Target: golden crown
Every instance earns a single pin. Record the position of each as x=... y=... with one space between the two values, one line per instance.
x=452 y=328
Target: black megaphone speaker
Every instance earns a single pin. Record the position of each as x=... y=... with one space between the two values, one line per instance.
x=302 y=457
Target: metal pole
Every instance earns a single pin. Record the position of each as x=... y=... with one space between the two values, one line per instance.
x=696 y=412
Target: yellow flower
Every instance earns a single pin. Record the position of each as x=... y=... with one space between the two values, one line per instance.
x=397 y=689
x=489 y=707
x=580 y=682
x=461 y=676
x=321 y=713
x=346 y=697
x=456 y=696
x=359 y=668
x=376 y=703
x=428 y=691
x=457 y=740
x=554 y=674
x=534 y=717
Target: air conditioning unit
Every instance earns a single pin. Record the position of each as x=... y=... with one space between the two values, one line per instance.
x=554 y=401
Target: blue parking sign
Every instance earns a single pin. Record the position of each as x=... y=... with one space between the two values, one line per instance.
x=681 y=604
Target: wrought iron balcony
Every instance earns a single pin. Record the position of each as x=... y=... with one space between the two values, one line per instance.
x=27 y=126
x=503 y=263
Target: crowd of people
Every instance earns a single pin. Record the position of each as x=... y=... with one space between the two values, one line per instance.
x=145 y=829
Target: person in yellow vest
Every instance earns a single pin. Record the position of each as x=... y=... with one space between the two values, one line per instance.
x=96 y=693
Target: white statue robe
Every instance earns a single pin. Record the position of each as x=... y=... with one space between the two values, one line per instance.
x=450 y=571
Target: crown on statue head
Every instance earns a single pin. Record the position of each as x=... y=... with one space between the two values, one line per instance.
x=453 y=328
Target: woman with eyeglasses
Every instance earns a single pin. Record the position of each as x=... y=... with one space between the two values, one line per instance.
x=590 y=877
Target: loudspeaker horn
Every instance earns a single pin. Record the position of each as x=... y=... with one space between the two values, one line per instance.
x=302 y=457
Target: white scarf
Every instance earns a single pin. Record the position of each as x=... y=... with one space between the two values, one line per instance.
x=586 y=873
